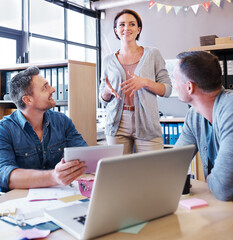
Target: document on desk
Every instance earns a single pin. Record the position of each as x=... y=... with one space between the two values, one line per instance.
x=32 y=212
x=53 y=193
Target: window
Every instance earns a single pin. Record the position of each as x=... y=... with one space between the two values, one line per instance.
x=49 y=30
x=81 y=28
x=11 y=14
x=46 y=19
x=44 y=50
x=81 y=54
x=8 y=51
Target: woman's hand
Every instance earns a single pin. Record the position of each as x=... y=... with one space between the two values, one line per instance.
x=133 y=84
x=109 y=91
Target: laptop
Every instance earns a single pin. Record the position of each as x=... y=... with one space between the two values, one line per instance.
x=92 y=154
x=128 y=190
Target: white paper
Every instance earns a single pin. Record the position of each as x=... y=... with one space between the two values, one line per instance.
x=37 y=194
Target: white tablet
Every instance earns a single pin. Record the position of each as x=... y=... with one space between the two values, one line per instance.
x=92 y=154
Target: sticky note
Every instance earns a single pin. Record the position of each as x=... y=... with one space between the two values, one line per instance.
x=192 y=203
x=72 y=198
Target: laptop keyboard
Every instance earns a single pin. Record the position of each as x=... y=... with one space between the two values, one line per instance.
x=80 y=219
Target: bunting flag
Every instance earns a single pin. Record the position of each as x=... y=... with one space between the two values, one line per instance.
x=177 y=9
x=168 y=8
x=206 y=6
x=217 y=2
x=159 y=6
x=186 y=8
x=151 y=4
x=195 y=8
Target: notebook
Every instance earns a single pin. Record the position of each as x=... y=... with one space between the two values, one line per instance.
x=92 y=154
x=128 y=190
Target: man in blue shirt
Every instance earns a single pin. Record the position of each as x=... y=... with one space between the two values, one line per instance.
x=209 y=123
x=32 y=138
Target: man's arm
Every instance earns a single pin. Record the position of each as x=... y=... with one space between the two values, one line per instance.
x=63 y=174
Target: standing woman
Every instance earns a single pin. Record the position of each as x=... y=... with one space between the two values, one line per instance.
x=131 y=80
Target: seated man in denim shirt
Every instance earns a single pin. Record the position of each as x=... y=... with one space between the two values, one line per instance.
x=209 y=123
x=32 y=138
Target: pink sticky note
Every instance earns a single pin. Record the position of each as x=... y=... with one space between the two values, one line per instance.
x=33 y=233
x=192 y=203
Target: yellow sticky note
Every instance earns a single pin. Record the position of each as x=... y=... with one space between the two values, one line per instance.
x=72 y=198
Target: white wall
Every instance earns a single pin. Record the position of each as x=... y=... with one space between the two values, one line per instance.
x=170 y=33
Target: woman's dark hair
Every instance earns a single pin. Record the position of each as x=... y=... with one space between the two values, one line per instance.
x=202 y=68
x=124 y=11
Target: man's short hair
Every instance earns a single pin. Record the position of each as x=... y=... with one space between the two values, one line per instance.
x=202 y=68
x=20 y=85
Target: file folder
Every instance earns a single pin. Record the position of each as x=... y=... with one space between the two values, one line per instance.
x=166 y=133
x=66 y=82
x=55 y=82
x=171 y=134
x=60 y=83
x=175 y=133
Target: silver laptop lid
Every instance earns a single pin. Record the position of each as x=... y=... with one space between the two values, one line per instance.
x=131 y=189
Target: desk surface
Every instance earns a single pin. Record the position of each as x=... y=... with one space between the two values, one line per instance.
x=212 y=222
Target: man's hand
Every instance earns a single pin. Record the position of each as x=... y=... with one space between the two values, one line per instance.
x=66 y=172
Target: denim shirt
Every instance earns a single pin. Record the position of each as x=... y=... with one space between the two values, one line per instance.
x=20 y=146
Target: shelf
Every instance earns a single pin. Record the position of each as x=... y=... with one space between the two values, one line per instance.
x=213 y=47
x=172 y=120
x=10 y=104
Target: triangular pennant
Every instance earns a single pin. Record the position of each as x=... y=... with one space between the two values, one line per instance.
x=186 y=8
x=217 y=2
x=168 y=8
x=151 y=4
x=195 y=8
x=229 y=1
x=206 y=6
x=177 y=9
x=159 y=6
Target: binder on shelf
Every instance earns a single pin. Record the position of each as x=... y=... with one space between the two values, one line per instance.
x=229 y=71
x=48 y=76
x=171 y=135
x=42 y=72
x=66 y=82
x=162 y=128
x=8 y=78
x=166 y=133
x=175 y=133
x=60 y=83
x=180 y=125
x=55 y=82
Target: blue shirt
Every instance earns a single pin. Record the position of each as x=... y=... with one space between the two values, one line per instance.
x=220 y=180
x=212 y=153
x=20 y=146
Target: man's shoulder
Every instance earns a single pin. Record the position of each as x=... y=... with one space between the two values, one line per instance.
x=225 y=99
x=56 y=116
x=9 y=119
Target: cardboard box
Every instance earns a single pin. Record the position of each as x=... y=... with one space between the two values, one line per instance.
x=223 y=40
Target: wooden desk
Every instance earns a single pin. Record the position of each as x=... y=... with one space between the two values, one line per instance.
x=212 y=222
